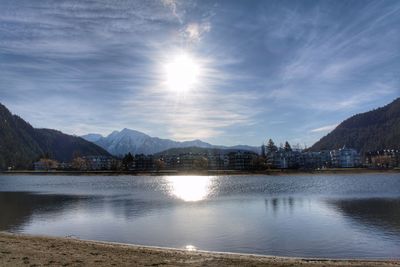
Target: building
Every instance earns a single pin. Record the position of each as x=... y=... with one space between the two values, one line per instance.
x=386 y=158
x=315 y=160
x=97 y=163
x=283 y=159
x=45 y=165
x=345 y=158
x=217 y=161
x=144 y=162
x=241 y=160
x=287 y=158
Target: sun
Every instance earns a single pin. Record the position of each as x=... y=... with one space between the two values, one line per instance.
x=182 y=73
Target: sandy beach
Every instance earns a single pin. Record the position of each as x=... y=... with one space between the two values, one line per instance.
x=25 y=250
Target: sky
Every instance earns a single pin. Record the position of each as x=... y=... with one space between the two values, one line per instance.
x=226 y=72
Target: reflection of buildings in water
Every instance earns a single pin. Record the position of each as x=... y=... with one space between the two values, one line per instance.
x=282 y=203
x=17 y=208
x=131 y=208
x=383 y=213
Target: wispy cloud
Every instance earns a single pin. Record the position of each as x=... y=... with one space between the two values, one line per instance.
x=202 y=113
x=194 y=31
x=90 y=50
x=369 y=93
x=172 y=4
x=324 y=129
x=272 y=69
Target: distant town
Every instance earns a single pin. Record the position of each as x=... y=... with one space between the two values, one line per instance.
x=364 y=141
x=271 y=157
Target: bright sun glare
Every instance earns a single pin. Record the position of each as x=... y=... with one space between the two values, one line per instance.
x=182 y=73
x=189 y=188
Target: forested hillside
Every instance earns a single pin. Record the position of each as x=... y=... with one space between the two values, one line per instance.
x=21 y=144
x=369 y=131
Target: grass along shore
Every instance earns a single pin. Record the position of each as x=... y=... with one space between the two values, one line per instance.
x=26 y=250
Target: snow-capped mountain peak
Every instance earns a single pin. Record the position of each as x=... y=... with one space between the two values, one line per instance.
x=128 y=140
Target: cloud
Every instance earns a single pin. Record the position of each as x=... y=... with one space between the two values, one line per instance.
x=172 y=4
x=368 y=94
x=324 y=129
x=268 y=68
x=194 y=31
x=203 y=113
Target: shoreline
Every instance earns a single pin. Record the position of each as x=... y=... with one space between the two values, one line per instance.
x=34 y=250
x=206 y=173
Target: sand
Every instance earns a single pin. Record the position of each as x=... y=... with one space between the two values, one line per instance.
x=26 y=250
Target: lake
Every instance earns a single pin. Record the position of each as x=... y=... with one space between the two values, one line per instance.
x=335 y=216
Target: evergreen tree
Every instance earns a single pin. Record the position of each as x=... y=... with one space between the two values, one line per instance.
x=287 y=147
x=271 y=147
x=127 y=161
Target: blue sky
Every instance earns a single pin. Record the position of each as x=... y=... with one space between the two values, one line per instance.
x=287 y=70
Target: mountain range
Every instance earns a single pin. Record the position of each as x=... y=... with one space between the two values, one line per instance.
x=369 y=131
x=21 y=144
x=199 y=150
x=122 y=142
x=373 y=130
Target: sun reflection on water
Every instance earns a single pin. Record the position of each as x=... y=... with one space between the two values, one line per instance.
x=190 y=248
x=189 y=188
